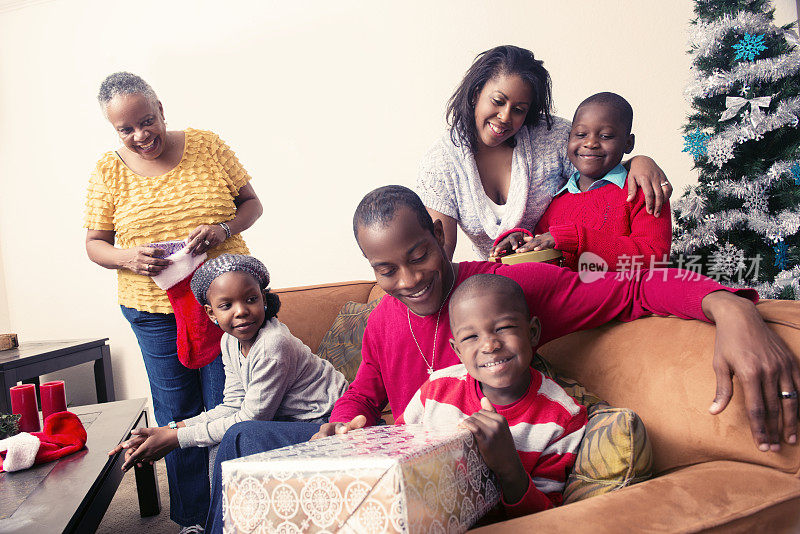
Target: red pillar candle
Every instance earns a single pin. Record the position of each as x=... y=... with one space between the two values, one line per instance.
x=53 y=397
x=23 y=402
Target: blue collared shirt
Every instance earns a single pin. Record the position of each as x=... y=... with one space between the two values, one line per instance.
x=615 y=176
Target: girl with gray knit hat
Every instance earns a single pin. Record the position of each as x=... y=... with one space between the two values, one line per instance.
x=269 y=373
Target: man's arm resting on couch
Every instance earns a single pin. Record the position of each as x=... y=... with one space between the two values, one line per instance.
x=746 y=347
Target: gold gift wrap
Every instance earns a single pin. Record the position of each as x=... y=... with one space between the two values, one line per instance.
x=548 y=255
x=405 y=478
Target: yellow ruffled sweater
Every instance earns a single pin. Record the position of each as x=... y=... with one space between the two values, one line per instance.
x=146 y=209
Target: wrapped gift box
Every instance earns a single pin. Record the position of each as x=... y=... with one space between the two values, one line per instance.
x=378 y=479
x=534 y=256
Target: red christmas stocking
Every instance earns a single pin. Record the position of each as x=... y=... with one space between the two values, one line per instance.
x=198 y=337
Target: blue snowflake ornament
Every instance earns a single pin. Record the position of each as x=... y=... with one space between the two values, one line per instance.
x=781 y=249
x=795 y=171
x=749 y=47
x=695 y=143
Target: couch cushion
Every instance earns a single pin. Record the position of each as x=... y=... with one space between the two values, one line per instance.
x=615 y=451
x=376 y=293
x=661 y=367
x=309 y=311
x=709 y=497
x=341 y=344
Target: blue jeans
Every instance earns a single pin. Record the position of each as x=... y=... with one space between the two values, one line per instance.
x=178 y=393
x=251 y=437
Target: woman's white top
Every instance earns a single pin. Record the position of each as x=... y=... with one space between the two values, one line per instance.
x=499 y=210
x=449 y=182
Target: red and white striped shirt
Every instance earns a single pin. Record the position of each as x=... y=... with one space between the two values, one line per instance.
x=547 y=426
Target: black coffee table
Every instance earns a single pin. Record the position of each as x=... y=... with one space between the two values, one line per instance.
x=29 y=360
x=73 y=493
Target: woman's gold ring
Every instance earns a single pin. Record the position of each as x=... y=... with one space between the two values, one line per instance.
x=788 y=394
x=665 y=182
x=207 y=242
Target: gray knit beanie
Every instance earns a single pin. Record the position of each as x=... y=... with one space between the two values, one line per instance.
x=226 y=263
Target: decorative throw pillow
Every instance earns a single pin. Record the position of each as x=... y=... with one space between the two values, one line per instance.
x=615 y=451
x=341 y=344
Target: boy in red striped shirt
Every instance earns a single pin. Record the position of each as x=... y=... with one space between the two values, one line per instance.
x=527 y=428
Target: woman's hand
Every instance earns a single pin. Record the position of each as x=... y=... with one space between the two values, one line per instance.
x=148 y=445
x=146 y=261
x=204 y=237
x=649 y=176
x=539 y=242
x=509 y=244
x=496 y=444
x=450 y=229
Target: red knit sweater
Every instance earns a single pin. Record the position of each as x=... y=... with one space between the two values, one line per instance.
x=392 y=368
x=602 y=222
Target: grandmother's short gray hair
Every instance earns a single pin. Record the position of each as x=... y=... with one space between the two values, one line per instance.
x=124 y=83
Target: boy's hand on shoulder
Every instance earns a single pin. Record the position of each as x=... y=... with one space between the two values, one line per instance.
x=540 y=242
x=496 y=444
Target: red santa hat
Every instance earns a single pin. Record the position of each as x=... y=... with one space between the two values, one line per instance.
x=63 y=434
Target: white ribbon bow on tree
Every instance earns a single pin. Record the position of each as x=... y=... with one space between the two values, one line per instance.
x=736 y=103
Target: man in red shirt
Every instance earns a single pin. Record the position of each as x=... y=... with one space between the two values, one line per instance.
x=407 y=334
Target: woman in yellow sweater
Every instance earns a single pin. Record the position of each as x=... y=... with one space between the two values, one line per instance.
x=160 y=186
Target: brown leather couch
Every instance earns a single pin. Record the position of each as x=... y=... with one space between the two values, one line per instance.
x=709 y=475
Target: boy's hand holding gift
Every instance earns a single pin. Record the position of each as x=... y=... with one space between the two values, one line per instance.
x=496 y=444
x=509 y=243
x=518 y=240
x=539 y=242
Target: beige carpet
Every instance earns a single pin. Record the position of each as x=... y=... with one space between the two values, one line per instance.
x=123 y=512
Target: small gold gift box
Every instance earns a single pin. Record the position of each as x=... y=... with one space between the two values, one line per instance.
x=534 y=256
x=402 y=479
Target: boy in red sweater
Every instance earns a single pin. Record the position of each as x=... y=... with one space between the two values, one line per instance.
x=590 y=213
x=527 y=428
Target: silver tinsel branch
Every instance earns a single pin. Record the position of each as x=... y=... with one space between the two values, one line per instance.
x=705 y=36
x=691 y=206
x=771 y=226
x=789 y=278
x=761 y=70
x=748 y=72
x=720 y=145
x=778 y=169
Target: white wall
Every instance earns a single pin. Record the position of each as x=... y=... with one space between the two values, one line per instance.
x=322 y=100
x=5 y=319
